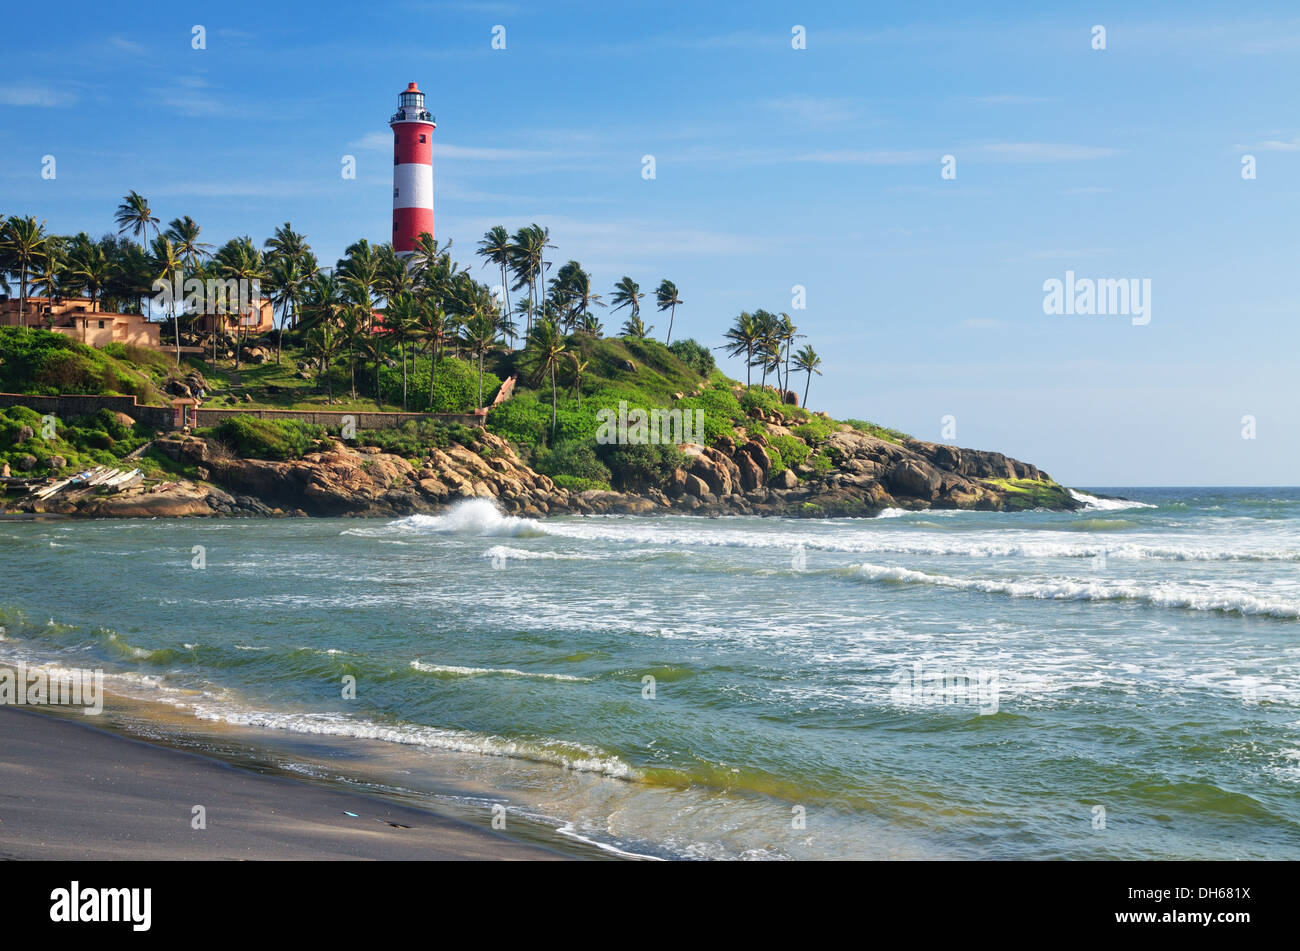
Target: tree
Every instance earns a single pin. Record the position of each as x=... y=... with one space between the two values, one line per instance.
x=578 y=372
x=742 y=338
x=134 y=215
x=49 y=272
x=241 y=260
x=89 y=267
x=627 y=293
x=497 y=248
x=167 y=266
x=480 y=339
x=184 y=233
x=323 y=344
x=432 y=329
x=667 y=298
x=400 y=325
x=546 y=348
x=635 y=327
x=807 y=361
x=786 y=333
x=24 y=244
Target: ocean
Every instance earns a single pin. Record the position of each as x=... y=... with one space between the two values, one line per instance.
x=1117 y=682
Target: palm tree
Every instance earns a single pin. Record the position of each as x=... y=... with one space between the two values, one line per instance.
x=807 y=361
x=286 y=278
x=480 y=339
x=323 y=343
x=24 y=244
x=361 y=263
x=242 y=260
x=786 y=330
x=627 y=293
x=134 y=215
x=49 y=274
x=742 y=338
x=433 y=330
x=668 y=300
x=578 y=371
x=89 y=266
x=497 y=248
x=184 y=233
x=400 y=325
x=547 y=348
x=167 y=264
x=526 y=263
x=768 y=345
x=635 y=327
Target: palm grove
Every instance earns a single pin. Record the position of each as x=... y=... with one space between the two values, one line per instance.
x=374 y=314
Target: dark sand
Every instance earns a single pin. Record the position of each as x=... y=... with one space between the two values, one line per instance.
x=71 y=791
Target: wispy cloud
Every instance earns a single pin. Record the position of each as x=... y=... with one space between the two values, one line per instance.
x=125 y=45
x=869 y=157
x=820 y=110
x=1010 y=99
x=1275 y=145
x=1043 y=152
x=382 y=141
x=28 y=95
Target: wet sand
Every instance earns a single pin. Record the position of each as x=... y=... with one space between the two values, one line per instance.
x=71 y=791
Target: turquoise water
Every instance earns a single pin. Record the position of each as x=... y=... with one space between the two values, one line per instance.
x=1140 y=657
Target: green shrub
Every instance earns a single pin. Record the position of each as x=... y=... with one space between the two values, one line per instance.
x=255 y=438
x=816 y=430
x=578 y=484
x=455 y=387
x=695 y=355
x=639 y=467
x=576 y=459
x=793 y=452
x=414 y=438
x=880 y=432
x=760 y=397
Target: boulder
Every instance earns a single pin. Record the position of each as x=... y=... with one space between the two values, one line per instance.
x=696 y=486
x=914 y=478
x=785 y=479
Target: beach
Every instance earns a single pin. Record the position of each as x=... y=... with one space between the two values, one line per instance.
x=75 y=792
x=1116 y=682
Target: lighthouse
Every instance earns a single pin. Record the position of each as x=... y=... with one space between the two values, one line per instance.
x=412 y=170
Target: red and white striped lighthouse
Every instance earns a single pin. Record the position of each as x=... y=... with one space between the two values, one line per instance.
x=412 y=170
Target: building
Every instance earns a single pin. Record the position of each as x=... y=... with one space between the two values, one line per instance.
x=259 y=320
x=412 y=170
x=80 y=318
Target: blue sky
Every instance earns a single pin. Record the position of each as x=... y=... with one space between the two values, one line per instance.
x=775 y=167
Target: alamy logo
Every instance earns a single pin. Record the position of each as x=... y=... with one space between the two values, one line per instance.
x=1124 y=297
x=639 y=427
x=920 y=686
x=37 y=687
x=73 y=904
x=194 y=296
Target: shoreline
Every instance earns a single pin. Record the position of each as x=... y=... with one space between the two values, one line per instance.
x=80 y=791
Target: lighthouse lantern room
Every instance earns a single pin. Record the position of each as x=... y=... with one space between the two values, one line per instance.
x=412 y=170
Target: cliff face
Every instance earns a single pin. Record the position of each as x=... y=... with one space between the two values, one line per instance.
x=868 y=475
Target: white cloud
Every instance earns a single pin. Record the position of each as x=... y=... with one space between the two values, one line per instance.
x=27 y=95
x=815 y=109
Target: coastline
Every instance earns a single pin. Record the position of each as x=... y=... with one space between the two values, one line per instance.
x=81 y=791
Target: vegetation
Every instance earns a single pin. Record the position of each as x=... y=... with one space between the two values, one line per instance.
x=1032 y=493
x=99 y=439
x=257 y=438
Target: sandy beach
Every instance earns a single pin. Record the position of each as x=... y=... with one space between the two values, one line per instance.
x=71 y=791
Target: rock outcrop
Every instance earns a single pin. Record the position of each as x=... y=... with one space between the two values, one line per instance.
x=866 y=474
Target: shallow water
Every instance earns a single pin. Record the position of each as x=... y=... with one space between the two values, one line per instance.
x=920 y=684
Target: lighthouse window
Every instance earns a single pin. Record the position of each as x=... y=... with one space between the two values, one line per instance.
x=422 y=137
x=394 y=192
